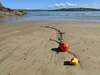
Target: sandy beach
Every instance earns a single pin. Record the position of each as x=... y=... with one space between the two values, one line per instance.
x=26 y=48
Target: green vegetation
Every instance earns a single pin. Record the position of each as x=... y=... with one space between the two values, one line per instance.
x=77 y=9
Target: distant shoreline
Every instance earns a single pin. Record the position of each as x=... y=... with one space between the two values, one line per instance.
x=62 y=9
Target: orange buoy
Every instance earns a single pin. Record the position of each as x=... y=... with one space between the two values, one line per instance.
x=64 y=47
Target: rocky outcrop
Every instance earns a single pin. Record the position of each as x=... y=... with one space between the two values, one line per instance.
x=1 y=6
x=9 y=12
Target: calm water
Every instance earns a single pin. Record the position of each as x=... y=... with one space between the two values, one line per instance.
x=84 y=16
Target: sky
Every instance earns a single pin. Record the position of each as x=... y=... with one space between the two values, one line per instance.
x=50 y=4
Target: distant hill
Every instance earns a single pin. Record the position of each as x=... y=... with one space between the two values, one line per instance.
x=77 y=9
x=64 y=9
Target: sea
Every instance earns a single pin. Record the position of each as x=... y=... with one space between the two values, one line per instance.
x=80 y=16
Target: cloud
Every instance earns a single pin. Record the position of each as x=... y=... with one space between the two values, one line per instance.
x=70 y=4
x=62 y=5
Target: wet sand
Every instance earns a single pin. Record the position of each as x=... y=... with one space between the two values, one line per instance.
x=26 y=49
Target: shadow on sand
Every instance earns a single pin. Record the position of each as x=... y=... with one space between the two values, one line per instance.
x=67 y=63
x=57 y=50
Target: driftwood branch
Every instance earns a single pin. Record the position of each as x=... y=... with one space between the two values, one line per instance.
x=60 y=33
